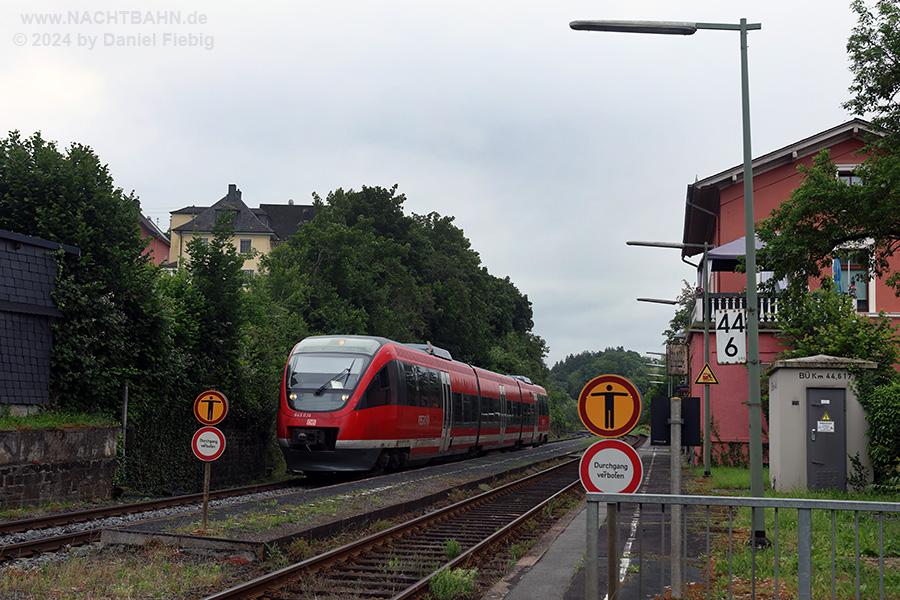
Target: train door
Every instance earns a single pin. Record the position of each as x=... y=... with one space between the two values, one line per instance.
x=503 y=414
x=447 y=405
x=530 y=419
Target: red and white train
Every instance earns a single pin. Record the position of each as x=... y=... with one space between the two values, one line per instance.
x=360 y=403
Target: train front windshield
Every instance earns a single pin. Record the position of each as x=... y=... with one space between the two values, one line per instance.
x=321 y=375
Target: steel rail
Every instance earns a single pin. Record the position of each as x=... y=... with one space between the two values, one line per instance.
x=48 y=544
x=90 y=514
x=86 y=536
x=419 y=588
x=259 y=586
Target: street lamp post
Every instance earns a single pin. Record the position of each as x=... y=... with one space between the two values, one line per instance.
x=707 y=411
x=753 y=395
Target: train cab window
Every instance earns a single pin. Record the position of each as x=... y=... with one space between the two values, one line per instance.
x=322 y=382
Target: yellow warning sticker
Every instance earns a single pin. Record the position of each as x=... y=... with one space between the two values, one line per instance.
x=706 y=376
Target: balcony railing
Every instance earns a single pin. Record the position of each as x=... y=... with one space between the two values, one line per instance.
x=768 y=307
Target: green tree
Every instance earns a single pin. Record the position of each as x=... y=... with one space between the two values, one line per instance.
x=824 y=213
x=874 y=50
x=112 y=324
x=362 y=266
x=217 y=280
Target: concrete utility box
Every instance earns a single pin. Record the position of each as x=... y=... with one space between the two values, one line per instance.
x=816 y=423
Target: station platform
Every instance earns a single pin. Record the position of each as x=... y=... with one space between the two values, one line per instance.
x=554 y=568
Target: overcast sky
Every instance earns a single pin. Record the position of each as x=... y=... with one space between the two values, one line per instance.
x=550 y=147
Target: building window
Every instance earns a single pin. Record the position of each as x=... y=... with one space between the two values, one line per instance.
x=246 y=246
x=248 y=273
x=847 y=174
x=851 y=278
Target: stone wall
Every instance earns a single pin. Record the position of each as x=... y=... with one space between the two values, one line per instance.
x=66 y=464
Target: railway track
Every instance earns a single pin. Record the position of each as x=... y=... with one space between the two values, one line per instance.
x=87 y=535
x=400 y=563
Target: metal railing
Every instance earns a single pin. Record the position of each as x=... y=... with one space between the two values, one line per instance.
x=768 y=307
x=787 y=556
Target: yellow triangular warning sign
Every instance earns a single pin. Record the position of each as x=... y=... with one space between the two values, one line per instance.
x=825 y=417
x=706 y=376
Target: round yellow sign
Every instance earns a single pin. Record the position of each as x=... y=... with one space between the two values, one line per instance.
x=609 y=406
x=210 y=407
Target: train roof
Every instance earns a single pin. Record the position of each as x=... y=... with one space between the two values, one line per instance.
x=428 y=348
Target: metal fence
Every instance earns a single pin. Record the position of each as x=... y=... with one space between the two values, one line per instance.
x=796 y=539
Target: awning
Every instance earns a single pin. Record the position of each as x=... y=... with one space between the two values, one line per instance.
x=726 y=257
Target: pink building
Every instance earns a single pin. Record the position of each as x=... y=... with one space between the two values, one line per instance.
x=714 y=214
x=158 y=246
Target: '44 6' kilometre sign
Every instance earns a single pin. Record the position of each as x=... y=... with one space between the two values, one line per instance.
x=731 y=336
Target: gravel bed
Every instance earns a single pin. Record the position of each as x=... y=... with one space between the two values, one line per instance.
x=368 y=493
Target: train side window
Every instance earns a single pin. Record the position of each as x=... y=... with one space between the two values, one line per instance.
x=457 y=417
x=412 y=385
x=433 y=395
x=379 y=391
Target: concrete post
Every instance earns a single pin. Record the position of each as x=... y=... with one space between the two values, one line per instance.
x=675 y=422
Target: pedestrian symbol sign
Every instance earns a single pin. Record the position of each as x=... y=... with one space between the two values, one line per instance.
x=210 y=407
x=609 y=406
x=706 y=377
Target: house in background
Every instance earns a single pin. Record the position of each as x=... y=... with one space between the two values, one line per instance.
x=158 y=246
x=714 y=214
x=259 y=229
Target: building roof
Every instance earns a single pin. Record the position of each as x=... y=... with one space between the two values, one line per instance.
x=285 y=219
x=276 y=220
x=245 y=220
x=702 y=203
x=151 y=228
x=18 y=238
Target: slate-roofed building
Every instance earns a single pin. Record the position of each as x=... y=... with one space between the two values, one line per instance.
x=259 y=229
x=27 y=311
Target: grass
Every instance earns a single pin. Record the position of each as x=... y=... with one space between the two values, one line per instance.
x=735 y=481
x=264 y=519
x=151 y=572
x=52 y=420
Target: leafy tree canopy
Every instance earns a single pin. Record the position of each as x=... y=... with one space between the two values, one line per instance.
x=824 y=215
x=363 y=266
x=111 y=321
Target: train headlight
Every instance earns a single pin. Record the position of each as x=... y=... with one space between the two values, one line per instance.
x=292 y=396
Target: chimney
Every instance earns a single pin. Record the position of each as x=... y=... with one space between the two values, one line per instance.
x=233 y=192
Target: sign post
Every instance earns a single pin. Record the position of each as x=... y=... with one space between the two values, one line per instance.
x=609 y=406
x=208 y=443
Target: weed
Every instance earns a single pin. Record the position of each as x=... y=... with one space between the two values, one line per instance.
x=452 y=549
x=380 y=525
x=275 y=558
x=453 y=583
x=299 y=549
x=858 y=479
